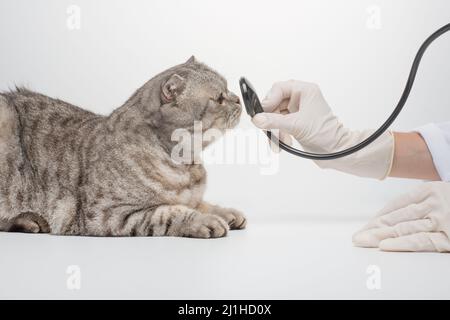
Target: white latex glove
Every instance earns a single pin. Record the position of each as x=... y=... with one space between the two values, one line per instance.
x=416 y=221
x=299 y=109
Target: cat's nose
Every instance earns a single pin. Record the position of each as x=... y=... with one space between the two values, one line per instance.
x=235 y=99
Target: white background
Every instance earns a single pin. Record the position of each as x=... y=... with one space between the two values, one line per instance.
x=362 y=71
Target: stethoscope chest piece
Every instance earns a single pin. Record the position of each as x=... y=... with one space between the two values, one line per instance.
x=251 y=100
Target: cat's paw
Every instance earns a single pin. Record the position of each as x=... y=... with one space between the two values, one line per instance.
x=207 y=226
x=234 y=218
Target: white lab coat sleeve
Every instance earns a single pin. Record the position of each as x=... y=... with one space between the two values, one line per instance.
x=437 y=138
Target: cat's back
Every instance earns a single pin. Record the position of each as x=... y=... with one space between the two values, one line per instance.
x=51 y=131
x=48 y=118
x=30 y=104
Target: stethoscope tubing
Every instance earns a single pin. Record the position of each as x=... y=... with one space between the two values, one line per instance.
x=376 y=134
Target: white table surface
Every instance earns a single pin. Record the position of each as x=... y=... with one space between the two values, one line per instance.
x=295 y=260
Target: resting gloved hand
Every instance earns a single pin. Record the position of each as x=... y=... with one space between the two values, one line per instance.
x=298 y=109
x=416 y=221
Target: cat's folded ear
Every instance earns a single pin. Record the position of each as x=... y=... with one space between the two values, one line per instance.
x=192 y=59
x=172 y=88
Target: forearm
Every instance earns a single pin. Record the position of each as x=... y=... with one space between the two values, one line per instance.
x=412 y=159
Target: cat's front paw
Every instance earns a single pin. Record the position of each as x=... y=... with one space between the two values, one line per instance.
x=234 y=218
x=207 y=226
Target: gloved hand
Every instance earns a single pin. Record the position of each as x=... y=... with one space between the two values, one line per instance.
x=416 y=221
x=299 y=109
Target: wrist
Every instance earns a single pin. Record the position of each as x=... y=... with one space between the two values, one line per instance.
x=412 y=158
x=373 y=161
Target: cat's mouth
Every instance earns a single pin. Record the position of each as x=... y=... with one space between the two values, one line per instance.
x=233 y=119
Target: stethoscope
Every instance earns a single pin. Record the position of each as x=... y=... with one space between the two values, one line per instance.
x=253 y=106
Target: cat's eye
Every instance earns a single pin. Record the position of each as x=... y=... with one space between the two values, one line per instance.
x=220 y=99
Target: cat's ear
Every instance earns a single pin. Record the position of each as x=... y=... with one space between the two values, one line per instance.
x=192 y=59
x=172 y=87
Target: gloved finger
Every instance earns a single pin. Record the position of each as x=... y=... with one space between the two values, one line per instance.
x=410 y=212
x=281 y=136
x=372 y=237
x=286 y=138
x=269 y=121
x=418 y=242
x=294 y=102
x=281 y=108
x=417 y=195
x=281 y=91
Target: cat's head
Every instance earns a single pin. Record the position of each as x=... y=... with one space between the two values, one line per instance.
x=192 y=92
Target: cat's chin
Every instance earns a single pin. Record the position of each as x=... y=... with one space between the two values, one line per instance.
x=234 y=124
x=233 y=119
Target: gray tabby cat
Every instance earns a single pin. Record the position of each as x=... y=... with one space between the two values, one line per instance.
x=67 y=171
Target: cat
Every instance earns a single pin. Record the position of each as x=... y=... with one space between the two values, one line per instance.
x=68 y=171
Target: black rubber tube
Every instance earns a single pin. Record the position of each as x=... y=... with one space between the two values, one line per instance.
x=385 y=125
